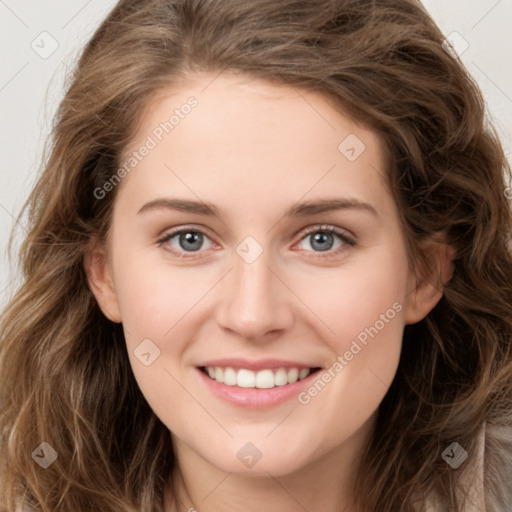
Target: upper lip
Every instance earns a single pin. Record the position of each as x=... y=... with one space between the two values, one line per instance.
x=261 y=364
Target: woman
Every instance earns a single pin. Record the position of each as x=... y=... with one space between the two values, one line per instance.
x=250 y=370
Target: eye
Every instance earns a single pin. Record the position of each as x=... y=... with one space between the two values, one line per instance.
x=324 y=240
x=185 y=240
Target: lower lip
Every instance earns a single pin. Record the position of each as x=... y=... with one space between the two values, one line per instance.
x=256 y=397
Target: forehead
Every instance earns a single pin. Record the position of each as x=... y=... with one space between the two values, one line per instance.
x=242 y=105
x=251 y=136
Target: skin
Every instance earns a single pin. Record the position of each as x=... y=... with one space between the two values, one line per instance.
x=254 y=149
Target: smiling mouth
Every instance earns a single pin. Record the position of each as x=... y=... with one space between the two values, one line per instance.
x=262 y=379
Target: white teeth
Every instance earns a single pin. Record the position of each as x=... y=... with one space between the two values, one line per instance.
x=303 y=372
x=219 y=375
x=230 y=377
x=245 y=379
x=281 y=377
x=263 y=379
x=293 y=375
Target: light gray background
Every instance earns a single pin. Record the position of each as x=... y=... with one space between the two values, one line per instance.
x=31 y=81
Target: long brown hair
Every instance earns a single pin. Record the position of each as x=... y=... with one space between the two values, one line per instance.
x=65 y=377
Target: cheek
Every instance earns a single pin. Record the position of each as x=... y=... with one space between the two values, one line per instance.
x=368 y=322
x=153 y=302
x=360 y=300
x=363 y=306
x=153 y=297
x=158 y=302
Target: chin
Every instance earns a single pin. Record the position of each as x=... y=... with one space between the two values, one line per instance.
x=249 y=460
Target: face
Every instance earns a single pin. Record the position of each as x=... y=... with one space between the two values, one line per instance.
x=259 y=269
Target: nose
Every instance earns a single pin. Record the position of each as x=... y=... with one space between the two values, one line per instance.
x=256 y=303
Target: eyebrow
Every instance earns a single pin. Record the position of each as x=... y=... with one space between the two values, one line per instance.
x=298 y=210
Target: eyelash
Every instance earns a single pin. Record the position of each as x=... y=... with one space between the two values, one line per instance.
x=347 y=241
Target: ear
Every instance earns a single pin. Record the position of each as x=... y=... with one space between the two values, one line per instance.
x=426 y=286
x=100 y=281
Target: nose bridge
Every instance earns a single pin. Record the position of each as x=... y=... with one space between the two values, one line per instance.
x=255 y=300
